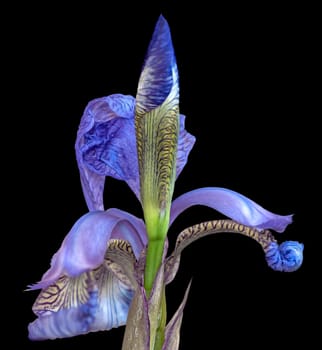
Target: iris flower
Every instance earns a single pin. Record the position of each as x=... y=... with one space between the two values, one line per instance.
x=112 y=267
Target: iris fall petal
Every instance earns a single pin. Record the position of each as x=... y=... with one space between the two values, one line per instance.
x=233 y=205
x=84 y=247
x=93 y=301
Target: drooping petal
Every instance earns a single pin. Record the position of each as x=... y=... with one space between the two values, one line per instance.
x=93 y=301
x=84 y=247
x=232 y=204
x=172 y=332
x=106 y=146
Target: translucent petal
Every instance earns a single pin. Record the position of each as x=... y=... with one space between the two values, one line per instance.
x=232 y=204
x=84 y=247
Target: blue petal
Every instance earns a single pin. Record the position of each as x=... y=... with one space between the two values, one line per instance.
x=159 y=74
x=106 y=146
x=288 y=256
x=84 y=247
x=232 y=204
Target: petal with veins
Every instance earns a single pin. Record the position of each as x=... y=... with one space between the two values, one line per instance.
x=106 y=146
x=93 y=301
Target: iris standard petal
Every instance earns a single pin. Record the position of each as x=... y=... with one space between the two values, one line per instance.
x=84 y=247
x=232 y=204
x=106 y=146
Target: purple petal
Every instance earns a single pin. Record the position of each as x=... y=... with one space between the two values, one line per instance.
x=84 y=247
x=233 y=205
x=106 y=146
x=131 y=229
x=159 y=73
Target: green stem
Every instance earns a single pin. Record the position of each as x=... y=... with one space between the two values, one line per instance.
x=153 y=261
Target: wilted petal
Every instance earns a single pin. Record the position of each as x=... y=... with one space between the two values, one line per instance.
x=84 y=247
x=106 y=146
x=172 y=332
x=232 y=204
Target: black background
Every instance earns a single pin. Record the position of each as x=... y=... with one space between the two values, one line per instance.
x=246 y=76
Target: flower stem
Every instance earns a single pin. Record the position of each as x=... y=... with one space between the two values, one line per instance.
x=153 y=261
